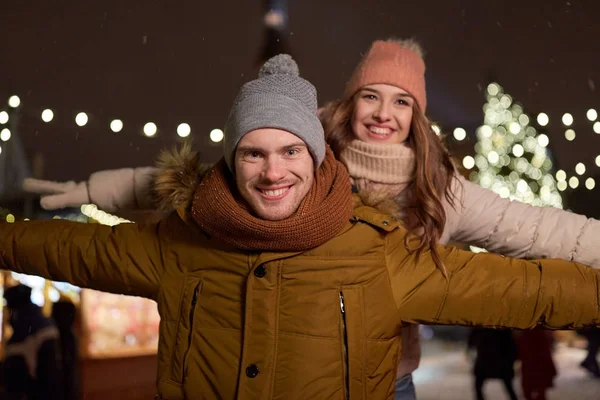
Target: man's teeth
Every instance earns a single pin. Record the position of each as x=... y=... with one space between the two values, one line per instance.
x=275 y=193
x=380 y=131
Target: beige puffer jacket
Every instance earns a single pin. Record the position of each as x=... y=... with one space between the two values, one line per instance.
x=514 y=229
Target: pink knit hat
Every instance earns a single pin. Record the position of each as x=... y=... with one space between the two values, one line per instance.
x=393 y=64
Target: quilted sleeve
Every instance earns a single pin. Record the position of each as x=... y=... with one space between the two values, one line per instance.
x=484 y=219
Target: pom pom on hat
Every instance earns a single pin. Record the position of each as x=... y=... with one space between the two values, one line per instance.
x=279 y=64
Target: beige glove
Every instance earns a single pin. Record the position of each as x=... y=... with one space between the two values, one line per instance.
x=110 y=190
x=56 y=195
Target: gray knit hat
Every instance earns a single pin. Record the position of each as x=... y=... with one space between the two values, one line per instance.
x=280 y=99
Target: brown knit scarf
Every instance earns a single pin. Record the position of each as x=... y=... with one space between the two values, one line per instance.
x=324 y=211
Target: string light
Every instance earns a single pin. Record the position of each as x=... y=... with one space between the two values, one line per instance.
x=570 y=135
x=468 y=162
x=573 y=182
x=116 y=125
x=562 y=186
x=590 y=183
x=5 y=135
x=14 y=101
x=150 y=129
x=216 y=135
x=502 y=116
x=460 y=134
x=184 y=130
x=543 y=119
x=81 y=119
x=47 y=115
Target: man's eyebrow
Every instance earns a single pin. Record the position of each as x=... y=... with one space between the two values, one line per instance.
x=257 y=148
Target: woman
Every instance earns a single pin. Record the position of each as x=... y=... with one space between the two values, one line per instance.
x=398 y=164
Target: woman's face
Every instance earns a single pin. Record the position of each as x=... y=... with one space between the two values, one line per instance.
x=382 y=114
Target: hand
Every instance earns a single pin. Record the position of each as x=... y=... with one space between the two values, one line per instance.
x=57 y=195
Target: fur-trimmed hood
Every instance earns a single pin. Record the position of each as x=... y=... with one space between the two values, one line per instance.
x=180 y=171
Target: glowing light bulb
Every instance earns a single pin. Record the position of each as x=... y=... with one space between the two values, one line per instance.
x=216 y=135
x=184 y=130
x=81 y=119
x=468 y=162
x=592 y=114
x=3 y=117
x=5 y=135
x=116 y=125
x=47 y=115
x=14 y=101
x=150 y=129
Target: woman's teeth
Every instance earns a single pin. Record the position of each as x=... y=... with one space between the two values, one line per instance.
x=380 y=131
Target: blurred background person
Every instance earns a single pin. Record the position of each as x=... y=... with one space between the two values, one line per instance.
x=590 y=362
x=64 y=313
x=496 y=353
x=31 y=369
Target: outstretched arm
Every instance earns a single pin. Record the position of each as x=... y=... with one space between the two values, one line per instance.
x=491 y=290
x=110 y=190
x=484 y=219
x=125 y=259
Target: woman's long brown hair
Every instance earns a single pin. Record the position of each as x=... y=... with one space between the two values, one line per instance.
x=434 y=171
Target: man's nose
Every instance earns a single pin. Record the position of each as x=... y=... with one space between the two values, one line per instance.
x=273 y=170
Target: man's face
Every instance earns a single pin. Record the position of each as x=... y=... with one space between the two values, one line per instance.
x=274 y=171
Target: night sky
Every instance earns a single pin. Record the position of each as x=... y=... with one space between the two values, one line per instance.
x=183 y=61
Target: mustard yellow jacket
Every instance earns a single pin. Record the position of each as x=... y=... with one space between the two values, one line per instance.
x=319 y=324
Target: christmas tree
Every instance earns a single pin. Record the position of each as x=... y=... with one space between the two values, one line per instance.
x=512 y=157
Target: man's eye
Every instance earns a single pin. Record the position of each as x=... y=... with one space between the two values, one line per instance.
x=292 y=152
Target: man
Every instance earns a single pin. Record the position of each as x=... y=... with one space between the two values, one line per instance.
x=271 y=283
x=31 y=368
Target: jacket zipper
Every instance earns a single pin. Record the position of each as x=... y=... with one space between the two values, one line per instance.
x=345 y=338
x=191 y=332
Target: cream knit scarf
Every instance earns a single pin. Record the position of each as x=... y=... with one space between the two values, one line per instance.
x=380 y=172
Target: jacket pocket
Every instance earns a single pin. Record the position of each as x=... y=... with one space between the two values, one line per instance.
x=352 y=326
x=185 y=328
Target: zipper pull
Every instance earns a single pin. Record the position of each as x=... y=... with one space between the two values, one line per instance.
x=195 y=296
x=342 y=303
